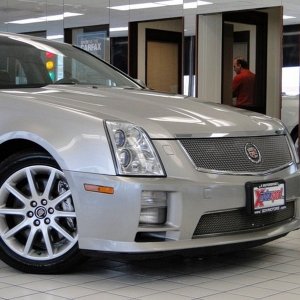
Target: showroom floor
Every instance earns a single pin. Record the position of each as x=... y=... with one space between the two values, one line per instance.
x=271 y=271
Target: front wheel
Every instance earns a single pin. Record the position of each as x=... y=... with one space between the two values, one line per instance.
x=38 y=228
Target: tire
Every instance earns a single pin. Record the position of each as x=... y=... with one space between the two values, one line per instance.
x=295 y=139
x=38 y=229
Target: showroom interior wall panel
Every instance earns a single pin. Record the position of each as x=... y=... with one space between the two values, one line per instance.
x=94 y=12
x=274 y=62
x=55 y=28
x=118 y=19
x=210 y=57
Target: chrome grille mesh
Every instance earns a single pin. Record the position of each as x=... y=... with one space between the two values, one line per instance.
x=228 y=154
x=238 y=220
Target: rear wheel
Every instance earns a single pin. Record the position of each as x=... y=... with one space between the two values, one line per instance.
x=38 y=228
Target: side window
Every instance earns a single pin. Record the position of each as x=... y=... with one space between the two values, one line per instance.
x=20 y=76
x=23 y=66
x=11 y=72
x=4 y=72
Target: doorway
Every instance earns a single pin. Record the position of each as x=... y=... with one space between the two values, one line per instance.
x=163 y=68
x=245 y=35
x=156 y=54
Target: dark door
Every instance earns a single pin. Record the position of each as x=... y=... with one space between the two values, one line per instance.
x=260 y=20
x=163 y=60
x=227 y=59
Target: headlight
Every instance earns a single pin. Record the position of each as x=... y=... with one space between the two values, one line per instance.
x=133 y=150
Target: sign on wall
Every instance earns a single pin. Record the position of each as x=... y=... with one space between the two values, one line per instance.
x=93 y=42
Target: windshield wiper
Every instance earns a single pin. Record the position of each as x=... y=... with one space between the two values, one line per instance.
x=67 y=81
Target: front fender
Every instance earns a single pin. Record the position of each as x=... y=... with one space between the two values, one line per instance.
x=74 y=152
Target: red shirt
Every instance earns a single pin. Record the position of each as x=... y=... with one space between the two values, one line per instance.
x=243 y=88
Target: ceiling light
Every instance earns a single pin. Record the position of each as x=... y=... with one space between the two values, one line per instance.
x=45 y=19
x=114 y=29
x=195 y=4
x=288 y=17
x=160 y=4
x=55 y=37
x=190 y=5
x=203 y=3
x=136 y=6
x=170 y=2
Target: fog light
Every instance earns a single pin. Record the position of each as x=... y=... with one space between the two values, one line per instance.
x=154 y=208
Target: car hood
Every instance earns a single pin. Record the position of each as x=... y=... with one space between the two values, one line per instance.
x=161 y=115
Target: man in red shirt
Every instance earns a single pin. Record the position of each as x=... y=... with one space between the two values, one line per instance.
x=243 y=85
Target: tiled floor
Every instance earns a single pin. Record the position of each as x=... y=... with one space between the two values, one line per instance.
x=271 y=271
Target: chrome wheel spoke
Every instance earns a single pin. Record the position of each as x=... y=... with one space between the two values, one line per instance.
x=49 y=184
x=29 y=242
x=16 y=193
x=63 y=232
x=65 y=214
x=31 y=183
x=47 y=242
x=13 y=211
x=11 y=232
x=61 y=198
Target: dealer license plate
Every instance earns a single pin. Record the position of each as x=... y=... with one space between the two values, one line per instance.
x=265 y=197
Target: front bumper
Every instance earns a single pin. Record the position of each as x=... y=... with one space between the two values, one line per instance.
x=110 y=223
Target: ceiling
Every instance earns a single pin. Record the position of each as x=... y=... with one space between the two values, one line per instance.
x=96 y=12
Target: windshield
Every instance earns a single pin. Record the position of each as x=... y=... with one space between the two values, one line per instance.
x=36 y=62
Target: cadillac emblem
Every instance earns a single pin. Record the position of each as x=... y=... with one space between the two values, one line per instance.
x=252 y=153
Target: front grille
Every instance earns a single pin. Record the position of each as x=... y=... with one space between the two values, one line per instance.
x=238 y=220
x=228 y=155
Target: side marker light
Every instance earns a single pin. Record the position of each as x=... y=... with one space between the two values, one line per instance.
x=99 y=189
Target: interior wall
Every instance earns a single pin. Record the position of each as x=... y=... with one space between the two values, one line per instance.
x=209 y=57
x=175 y=25
x=274 y=62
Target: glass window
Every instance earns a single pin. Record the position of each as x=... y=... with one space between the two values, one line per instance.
x=33 y=61
x=290 y=81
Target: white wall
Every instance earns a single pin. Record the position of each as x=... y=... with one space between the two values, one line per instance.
x=274 y=62
x=210 y=57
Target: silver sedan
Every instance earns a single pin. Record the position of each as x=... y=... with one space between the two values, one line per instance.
x=92 y=162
